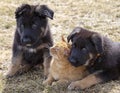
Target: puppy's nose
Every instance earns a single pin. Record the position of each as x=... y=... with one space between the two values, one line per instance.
x=72 y=60
x=26 y=40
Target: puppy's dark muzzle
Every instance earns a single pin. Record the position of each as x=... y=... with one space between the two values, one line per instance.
x=73 y=61
x=31 y=42
x=26 y=41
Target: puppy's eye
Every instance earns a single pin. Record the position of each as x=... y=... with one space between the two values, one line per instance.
x=22 y=26
x=83 y=48
x=34 y=26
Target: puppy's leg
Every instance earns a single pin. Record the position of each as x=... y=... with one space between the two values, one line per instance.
x=95 y=78
x=49 y=80
x=47 y=60
x=15 y=65
x=24 y=68
x=85 y=83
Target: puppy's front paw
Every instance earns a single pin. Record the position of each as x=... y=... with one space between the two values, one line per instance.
x=75 y=86
x=46 y=82
x=62 y=82
x=9 y=75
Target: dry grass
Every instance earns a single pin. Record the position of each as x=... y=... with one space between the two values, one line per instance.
x=102 y=16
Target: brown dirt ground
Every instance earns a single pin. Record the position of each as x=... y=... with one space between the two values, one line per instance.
x=102 y=16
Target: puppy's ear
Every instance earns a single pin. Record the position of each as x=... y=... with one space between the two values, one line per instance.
x=43 y=10
x=98 y=42
x=21 y=10
x=73 y=33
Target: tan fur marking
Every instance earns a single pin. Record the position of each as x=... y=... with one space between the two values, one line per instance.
x=17 y=67
x=85 y=83
x=88 y=61
x=46 y=64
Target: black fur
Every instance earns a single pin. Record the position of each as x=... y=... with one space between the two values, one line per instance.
x=105 y=54
x=33 y=29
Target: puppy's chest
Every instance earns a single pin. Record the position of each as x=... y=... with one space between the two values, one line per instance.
x=33 y=58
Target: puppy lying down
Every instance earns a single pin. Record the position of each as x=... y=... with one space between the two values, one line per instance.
x=61 y=70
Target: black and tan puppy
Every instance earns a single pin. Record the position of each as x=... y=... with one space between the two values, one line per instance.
x=98 y=53
x=32 y=38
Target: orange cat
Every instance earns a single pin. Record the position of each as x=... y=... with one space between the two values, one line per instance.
x=61 y=70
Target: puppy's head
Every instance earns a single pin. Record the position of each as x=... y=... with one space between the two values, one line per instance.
x=32 y=23
x=86 y=46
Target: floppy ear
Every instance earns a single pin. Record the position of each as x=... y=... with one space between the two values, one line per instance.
x=43 y=10
x=98 y=42
x=73 y=33
x=21 y=10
